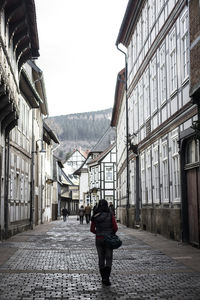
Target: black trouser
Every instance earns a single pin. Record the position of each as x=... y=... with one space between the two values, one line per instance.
x=105 y=254
x=87 y=218
x=81 y=219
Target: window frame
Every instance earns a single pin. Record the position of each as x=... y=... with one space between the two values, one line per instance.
x=165 y=172
x=163 y=89
x=110 y=173
x=173 y=61
x=175 y=167
x=184 y=45
x=156 y=175
x=153 y=85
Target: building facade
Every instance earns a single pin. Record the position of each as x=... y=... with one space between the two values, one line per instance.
x=26 y=143
x=83 y=173
x=19 y=43
x=161 y=115
x=102 y=176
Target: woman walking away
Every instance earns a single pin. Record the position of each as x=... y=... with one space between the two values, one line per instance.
x=103 y=222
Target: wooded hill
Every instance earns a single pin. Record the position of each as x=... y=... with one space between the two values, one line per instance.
x=79 y=130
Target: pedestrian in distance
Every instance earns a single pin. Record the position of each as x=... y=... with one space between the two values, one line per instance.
x=103 y=222
x=81 y=214
x=94 y=209
x=112 y=209
x=88 y=213
x=65 y=213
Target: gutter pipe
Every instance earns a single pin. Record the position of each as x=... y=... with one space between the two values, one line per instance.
x=127 y=142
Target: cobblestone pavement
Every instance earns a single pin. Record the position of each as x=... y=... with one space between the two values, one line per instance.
x=59 y=261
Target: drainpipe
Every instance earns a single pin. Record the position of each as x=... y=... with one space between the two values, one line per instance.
x=6 y=182
x=32 y=175
x=127 y=143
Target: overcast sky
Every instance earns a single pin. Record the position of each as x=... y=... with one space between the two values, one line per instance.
x=78 y=55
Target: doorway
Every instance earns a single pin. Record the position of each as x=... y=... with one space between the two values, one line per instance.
x=192 y=174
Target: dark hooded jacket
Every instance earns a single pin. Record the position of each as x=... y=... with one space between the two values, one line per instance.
x=103 y=223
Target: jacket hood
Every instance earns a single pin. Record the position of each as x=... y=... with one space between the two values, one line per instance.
x=100 y=217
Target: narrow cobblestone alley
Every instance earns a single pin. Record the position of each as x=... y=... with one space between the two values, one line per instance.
x=59 y=261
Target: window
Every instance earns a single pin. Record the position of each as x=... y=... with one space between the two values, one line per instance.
x=165 y=181
x=172 y=61
x=153 y=85
x=22 y=188
x=96 y=174
x=185 y=45
x=162 y=74
x=152 y=14
x=26 y=189
x=132 y=182
x=134 y=48
x=135 y=110
x=17 y=186
x=109 y=173
x=148 y=172
x=145 y=23
x=159 y=5
x=143 y=179
x=155 y=174
x=139 y=35
x=146 y=95
x=12 y=185
x=92 y=175
x=192 y=153
x=130 y=110
x=141 y=103
x=175 y=169
x=129 y=58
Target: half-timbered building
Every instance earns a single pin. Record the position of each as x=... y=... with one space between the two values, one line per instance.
x=161 y=112
x=101 y=165
x=19 y=43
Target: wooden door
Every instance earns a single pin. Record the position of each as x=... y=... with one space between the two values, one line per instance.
x=193 y=197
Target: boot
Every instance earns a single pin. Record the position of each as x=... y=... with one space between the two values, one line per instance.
x=106 y=280
x=102 y=272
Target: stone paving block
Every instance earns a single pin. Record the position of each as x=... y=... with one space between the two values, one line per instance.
x=62 y=264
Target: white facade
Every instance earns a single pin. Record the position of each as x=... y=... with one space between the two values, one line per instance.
x=83 y=186
x=159 y=111
x=102 y=176
x=157 y=95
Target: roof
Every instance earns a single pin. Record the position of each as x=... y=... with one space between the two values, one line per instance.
x=102 y=155
x=58 y=160
x=119 y=91
x=65 y=178
x=78 y=171
x=129 y=19
x=105 y=140
x=39 y=83
x=28 y=90
x=49 y=134
x=21 y=19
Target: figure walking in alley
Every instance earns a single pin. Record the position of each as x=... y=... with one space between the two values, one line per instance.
x=81 y=214
x=88 y=213
x=112 y=209
x=65 y=213
x=103 y=222
x=94 y=209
